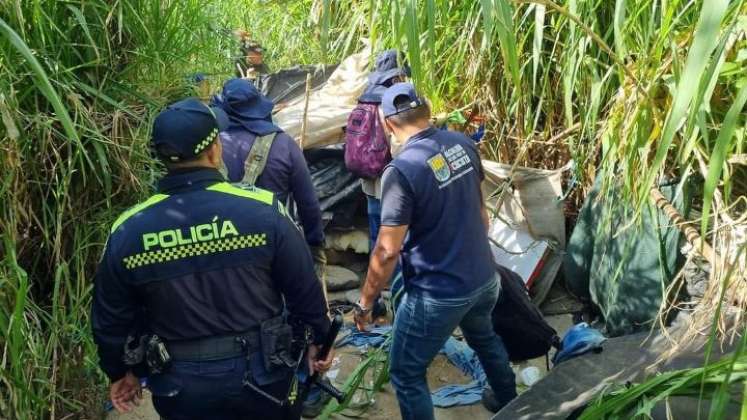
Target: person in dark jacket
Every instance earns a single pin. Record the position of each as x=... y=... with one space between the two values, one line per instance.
x=204 y=266
x=285 y=171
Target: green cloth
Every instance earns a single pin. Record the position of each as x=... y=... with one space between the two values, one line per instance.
x=623 y=268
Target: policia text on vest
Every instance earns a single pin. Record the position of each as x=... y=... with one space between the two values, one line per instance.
x=203 y=265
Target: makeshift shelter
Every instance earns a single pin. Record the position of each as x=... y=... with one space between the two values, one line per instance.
x=328 y=106
x=289 y=84
x=529 y=233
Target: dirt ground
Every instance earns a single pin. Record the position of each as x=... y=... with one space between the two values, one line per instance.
x=385 y=407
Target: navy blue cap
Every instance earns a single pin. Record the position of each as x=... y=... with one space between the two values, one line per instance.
x=246 y=107
x=385 y=69
x=185 y=128
x=395 y=94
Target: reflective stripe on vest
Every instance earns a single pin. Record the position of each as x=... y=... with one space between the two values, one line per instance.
x=136 y=209
x=254 y=193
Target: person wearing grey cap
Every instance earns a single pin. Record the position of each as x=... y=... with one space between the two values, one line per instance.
x=202 y=269
x=433 y=219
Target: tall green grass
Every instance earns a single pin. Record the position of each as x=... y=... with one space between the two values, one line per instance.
x=79 y=83
x=650 y=82
x=654 y=87
x=632 y=89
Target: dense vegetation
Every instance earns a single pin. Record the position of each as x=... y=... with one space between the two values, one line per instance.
x=634 y=89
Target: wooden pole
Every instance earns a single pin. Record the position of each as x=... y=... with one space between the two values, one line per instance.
x=304 y=122
x=692 y=235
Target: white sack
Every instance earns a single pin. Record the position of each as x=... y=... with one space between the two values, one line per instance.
x=534 y=208
x=329 y=106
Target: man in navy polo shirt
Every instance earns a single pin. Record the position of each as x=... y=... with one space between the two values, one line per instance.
x=433 y=215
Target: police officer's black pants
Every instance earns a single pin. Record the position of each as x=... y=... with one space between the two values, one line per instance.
x=215 y=390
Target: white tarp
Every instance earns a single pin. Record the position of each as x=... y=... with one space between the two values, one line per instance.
x=530 y=224
x=329 y=106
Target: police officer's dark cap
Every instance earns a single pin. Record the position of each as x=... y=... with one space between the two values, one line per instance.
x=185 y=129
x=399 y=93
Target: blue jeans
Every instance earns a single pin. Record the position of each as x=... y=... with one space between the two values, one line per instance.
x=422 y=326
x=374 y=224
x=215 y=390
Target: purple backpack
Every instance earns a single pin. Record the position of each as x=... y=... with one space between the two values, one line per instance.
x=366 y=146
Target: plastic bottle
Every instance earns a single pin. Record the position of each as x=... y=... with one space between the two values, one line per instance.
x=530 y=375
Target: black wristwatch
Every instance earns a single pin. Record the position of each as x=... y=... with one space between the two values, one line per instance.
x=360 y=310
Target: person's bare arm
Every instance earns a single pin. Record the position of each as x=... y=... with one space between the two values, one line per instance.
x=383 y=262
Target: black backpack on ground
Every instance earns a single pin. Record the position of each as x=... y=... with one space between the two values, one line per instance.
x=517 y=320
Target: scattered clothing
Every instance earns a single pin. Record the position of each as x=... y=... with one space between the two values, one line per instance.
x=578 y=340
x=463 y=357
x=479 y=134
x=361 y=339
x=458 y=353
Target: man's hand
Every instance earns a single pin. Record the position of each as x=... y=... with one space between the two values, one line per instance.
x=125 y=393
x=363 y=320
x=315 y=365
x=319 y=255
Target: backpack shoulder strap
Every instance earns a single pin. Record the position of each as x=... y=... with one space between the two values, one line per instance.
x=257 y=159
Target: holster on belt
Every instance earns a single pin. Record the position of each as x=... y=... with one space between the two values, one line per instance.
x=276 y=339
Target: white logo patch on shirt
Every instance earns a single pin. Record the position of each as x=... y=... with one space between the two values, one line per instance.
x=452 y=161
x=439 y=167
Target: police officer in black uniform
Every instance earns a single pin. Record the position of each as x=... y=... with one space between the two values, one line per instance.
x=213 y=272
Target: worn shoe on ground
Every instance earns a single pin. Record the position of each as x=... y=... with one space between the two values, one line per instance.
x=315 y=402
x=489 y=401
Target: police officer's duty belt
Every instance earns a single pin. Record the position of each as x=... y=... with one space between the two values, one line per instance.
x=214 y=348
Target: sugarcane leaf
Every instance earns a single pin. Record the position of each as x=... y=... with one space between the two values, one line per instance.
x=718 y=156
x=704 y=42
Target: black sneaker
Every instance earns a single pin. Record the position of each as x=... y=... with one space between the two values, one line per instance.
x=315 y=401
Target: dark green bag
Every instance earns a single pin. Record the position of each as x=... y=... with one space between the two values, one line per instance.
x=624 y=270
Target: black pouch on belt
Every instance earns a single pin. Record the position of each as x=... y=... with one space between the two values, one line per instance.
x=276 y=339
x=156 y=355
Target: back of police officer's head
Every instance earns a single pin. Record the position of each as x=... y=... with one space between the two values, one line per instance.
x=405 y=112
x=185 y=135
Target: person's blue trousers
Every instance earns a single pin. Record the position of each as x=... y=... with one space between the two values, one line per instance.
x=374 y=224
x=215 y=390
x=421 y=327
